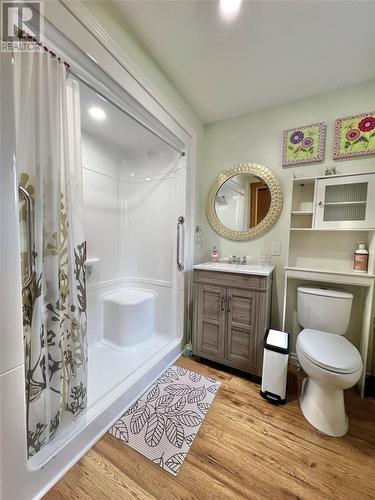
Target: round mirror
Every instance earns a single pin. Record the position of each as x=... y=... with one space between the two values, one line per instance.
x=244 y=202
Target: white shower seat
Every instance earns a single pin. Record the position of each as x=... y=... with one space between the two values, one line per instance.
x=128 y=316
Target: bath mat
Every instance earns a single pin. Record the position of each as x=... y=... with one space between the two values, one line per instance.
x=163 y=422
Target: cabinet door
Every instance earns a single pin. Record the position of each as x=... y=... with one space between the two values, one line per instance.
x=347 y=202
x=211 y=320
x=241 y=328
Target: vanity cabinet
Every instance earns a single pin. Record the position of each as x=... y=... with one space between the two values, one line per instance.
x=231 y=317
x=211 y=306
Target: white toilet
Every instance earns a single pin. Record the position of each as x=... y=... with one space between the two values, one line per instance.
x=330 y=361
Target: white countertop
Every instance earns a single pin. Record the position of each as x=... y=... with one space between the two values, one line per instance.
x=256 y=270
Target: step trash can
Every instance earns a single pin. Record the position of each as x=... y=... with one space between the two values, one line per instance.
x=275 y=366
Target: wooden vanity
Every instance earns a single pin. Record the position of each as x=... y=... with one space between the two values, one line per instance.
x=232 y=305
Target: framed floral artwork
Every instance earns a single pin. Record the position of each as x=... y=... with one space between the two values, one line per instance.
x=304 y=144
x=354 y=136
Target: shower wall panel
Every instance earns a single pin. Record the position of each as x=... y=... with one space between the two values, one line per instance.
x=100 y=192
x=131 y=204
x=146 y=219
x=130 y=213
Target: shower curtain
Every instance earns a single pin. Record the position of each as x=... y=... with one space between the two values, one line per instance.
x=54 y=304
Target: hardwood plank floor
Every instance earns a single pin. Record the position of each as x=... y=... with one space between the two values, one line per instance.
x=246 y=448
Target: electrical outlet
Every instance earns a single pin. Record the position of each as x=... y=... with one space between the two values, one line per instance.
x=276 y=248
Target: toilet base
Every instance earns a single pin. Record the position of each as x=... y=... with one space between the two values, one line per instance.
x=324 y=408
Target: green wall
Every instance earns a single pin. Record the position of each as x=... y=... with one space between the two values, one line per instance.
x=254 y=138
x=257 y=138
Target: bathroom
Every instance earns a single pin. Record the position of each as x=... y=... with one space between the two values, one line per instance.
x=148 y=166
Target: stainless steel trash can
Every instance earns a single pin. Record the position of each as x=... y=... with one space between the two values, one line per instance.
x=275 y=366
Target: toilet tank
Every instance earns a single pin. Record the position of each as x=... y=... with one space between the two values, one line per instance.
x=325 y=310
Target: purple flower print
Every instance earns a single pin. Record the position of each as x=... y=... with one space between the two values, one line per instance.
x=307 y=142
x=353 y=134
x=296 y=137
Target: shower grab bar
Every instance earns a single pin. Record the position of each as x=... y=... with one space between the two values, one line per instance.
x=180 y=222
x=28 y=205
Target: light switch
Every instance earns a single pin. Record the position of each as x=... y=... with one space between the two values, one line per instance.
x=276 y=248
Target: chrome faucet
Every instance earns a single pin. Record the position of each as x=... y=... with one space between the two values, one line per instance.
x=236 y=260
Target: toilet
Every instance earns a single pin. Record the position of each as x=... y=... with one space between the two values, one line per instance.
x=331 y=363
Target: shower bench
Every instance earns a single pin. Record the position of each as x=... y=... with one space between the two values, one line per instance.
x=128 y=316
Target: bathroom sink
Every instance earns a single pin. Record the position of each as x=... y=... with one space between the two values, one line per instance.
x=255 y=269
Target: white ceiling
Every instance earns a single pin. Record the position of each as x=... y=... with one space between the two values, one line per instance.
x=274 y=52
x=118 y=129
x=128 y=139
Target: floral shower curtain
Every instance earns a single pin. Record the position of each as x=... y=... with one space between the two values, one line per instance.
x=54 y=304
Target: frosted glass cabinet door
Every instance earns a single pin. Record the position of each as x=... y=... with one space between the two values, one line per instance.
x=346 y=202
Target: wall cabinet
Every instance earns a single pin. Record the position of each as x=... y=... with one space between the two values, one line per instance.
x=334 y=202
x=231 y=317
x=346 y=203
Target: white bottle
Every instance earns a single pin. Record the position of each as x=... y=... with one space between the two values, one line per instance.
x=360 y=261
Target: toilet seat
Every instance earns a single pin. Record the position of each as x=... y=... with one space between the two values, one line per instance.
x=329 y=351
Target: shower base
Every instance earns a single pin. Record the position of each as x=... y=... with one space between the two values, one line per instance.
x=138 y=367
x=109 y=367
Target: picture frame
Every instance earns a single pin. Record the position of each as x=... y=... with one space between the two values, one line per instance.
x=354 y=136
x=304 y=144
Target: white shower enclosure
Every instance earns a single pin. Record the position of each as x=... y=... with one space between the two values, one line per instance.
x=138 y=207
x=134 y=187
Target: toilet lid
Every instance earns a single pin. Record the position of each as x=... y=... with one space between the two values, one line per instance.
x=329 y=351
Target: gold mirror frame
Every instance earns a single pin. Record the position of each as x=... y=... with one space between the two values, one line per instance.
x=273 y=213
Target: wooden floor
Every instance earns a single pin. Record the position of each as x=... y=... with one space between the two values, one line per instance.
x=246 y=448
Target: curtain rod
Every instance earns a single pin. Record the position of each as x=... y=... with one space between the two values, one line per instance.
x=120 y=108
x=24 y=36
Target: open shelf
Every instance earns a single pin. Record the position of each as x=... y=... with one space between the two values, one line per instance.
x=302 y=212
x=301 y=219
x=344 y=203
x=303 y=197
x=332 y=253
x=325 y=271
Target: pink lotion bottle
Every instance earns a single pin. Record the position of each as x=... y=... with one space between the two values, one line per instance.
x=214 y=255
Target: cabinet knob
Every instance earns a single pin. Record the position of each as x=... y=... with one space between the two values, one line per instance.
x=320 y=203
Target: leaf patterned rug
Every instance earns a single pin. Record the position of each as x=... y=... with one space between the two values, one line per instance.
x=163 y=422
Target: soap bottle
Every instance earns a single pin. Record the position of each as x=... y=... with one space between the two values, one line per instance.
x=214 y=255
x=360 y=262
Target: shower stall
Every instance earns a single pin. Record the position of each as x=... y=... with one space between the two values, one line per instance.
x=134 y=189
x=136 y=178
